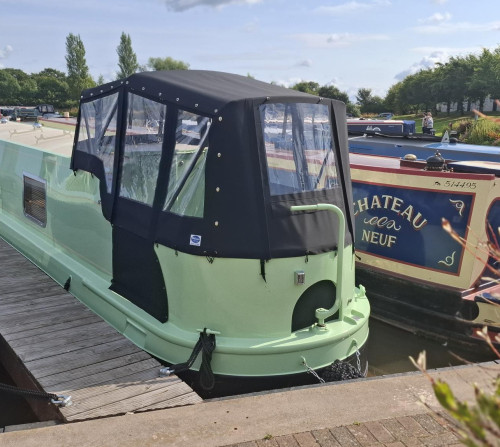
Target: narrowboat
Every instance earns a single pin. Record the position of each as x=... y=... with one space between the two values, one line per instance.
x=178 y=215
x=380 y=125
x=422 y=146
x=420 y=278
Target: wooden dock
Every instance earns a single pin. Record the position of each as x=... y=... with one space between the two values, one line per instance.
x=51 y=342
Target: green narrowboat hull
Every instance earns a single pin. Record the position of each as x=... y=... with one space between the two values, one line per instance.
x=250 y=315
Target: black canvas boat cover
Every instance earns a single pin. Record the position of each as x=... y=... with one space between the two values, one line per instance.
x=221 y=183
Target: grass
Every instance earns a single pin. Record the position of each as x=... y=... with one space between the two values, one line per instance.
x=484 y=130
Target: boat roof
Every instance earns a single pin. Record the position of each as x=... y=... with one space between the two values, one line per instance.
x=47 y=139
x=423 y=142
x=472 y=148
x=474 y=169
x=206 y=91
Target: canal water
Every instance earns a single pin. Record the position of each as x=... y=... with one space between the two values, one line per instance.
x=387 y=352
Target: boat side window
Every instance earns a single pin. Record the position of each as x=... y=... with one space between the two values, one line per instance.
x=97 y=132
x=142 y=148
x=299 y=147
x=186 y=186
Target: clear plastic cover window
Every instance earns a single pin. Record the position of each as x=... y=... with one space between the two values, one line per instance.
x=97 y=132
x=143 y=148
x=186 y=186
x=299 y=147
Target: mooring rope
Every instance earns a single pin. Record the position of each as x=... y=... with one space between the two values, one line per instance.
x=206 y=344
x=37 y=394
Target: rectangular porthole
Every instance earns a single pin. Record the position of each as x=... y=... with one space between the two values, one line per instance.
x=35 y=199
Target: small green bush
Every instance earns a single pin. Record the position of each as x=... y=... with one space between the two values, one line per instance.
x=483 y=131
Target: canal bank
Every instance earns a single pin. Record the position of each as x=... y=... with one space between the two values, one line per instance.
x=385 y=410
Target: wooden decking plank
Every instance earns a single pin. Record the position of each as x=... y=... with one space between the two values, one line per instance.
x=136 y=384
x=42 y=291
x=132 y=403
x=12 y=264
x=35 y=305
x=51 y=328
x=67 y=335
x=15 y=323
x=11 y=260
x=99 y=378
x=47 y=351
x=8 y=258
x=79 y=375
x=12 y=285
x=75 y=359
x=70 y=350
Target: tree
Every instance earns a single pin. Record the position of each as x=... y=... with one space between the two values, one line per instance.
x=364 y=96
x=393 y=101
x=9 y=88
x=52 y=91
x=26 y=94
x=460 y=71
x=310 y=87
x=167 y=63
x=127 y=59
x=332 y=92
x=483 y=78
x=369 y=103
x=52 y=73
x=78 y=72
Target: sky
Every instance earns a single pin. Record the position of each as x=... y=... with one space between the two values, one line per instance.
x=351 y=44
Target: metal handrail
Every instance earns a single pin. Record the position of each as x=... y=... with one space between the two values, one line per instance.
x=322 y=314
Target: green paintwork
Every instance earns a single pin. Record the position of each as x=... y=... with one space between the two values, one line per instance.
x=228 y=296
x=322 y=314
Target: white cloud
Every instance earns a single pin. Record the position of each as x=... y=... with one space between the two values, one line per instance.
x=462 y=27
x=289 y=82
x=352 y=6
x=183 y=5
x=337 y=40
x=437 y=18
x=5 y=51
x=427 y=62
x=439 y=2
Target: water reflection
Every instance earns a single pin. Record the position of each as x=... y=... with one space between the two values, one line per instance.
x=388 y=350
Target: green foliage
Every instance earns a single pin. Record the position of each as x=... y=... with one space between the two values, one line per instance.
x=327 y=91
x=470 y=78
x=78 y=72
x=52 y=87
x=369 y=103
x=167 y=63
x=479 y=424
x=482 y=131
x=9 y=88
x=48 y=86
x=127 y=59
x=20 y=88
x=332 y=92
x=310 y=87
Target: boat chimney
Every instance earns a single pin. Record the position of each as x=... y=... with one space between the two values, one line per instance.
x=435 y=163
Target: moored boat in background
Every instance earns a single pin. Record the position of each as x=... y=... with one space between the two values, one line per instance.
x=385 y=126
x=419 y=277
x=422 y=146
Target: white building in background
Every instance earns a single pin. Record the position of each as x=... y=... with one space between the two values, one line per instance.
x=488 y=106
